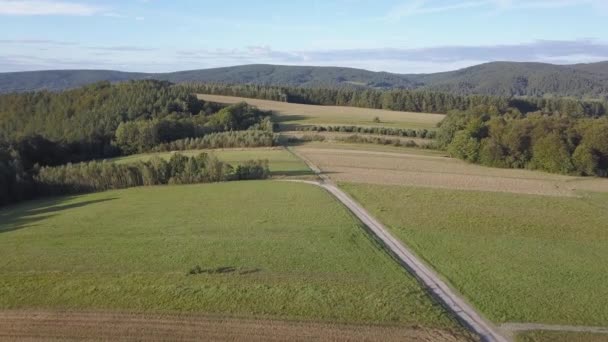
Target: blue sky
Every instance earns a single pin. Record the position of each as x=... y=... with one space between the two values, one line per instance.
x=405 y=36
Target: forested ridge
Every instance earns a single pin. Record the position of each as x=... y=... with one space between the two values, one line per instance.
x=509 y=79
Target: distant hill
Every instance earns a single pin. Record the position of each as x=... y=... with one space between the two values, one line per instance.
x=60 y=79
x=522 y=79
x=496 y=78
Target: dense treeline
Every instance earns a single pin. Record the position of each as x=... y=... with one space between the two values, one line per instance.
x=142 y=135
x=179 y=169
x=405 y=100
x=20 y=160
x=232 y=139
x=558 y=144
x=401 y=132
x=90 y=115
x=88 y=119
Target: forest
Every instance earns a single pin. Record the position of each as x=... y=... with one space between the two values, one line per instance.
x=42 y=130
x=557 y=144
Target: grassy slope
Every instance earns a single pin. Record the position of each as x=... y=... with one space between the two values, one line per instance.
x=290 y=115
x=519 y=258
x=281 y=162
x=290 y=249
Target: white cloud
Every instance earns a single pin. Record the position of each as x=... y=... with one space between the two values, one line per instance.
x=400 y=60
x=46 y=7
x=418 y=7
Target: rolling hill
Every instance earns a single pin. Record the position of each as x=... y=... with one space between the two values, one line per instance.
x=496 y=78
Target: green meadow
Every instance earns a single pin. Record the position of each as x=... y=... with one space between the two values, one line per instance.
x=280 y=161
x=517 y=258
x=257 y=248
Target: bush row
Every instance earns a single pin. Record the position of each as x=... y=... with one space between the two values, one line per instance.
x=179 y=169
x=233 y=139
x=411 y=133
x=359 y=139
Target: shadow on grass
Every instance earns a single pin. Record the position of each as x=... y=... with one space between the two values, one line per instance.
x=222 y=270
x=292 y=173
x=280 y=118
x=26 y=214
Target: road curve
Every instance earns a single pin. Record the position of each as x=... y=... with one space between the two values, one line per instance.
x=434 y=284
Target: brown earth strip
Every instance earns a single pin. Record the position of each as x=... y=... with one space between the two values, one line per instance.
x=20 y=325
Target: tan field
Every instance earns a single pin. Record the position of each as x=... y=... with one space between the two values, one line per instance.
x=113 y=326
x=420 y=168
x=292 y=114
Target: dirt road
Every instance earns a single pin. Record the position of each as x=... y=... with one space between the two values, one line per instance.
x=437 y=287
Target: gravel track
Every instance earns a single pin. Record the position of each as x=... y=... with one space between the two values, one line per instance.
x=431 y=280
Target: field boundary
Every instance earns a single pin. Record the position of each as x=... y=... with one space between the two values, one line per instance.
x=521 y=327
x=431 y=280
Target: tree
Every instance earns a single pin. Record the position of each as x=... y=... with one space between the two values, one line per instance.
x=464 y=146
x=550 y=153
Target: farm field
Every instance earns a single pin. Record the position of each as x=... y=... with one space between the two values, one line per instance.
x=290 y=115
x=418 y=167
x=516 y=257
x=111 y=326
x=560 y=336
x=280 y=161
x=290 y=251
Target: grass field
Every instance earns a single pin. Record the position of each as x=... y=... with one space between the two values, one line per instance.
x=419 y=167
x=281 y=162
x=246 y=249
x=559 y=336
x=518 y=258
x=290 y=115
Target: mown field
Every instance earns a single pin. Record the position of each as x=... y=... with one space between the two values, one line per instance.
x=419 y=167
x=516 y=257
x=245 y=249
x=280 y=161
x=291 y=115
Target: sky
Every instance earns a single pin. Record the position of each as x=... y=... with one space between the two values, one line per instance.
x=401 y=36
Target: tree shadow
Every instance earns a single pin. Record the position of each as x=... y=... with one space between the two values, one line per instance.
x=291 y=173
x=222 y=270
x=26 y=214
